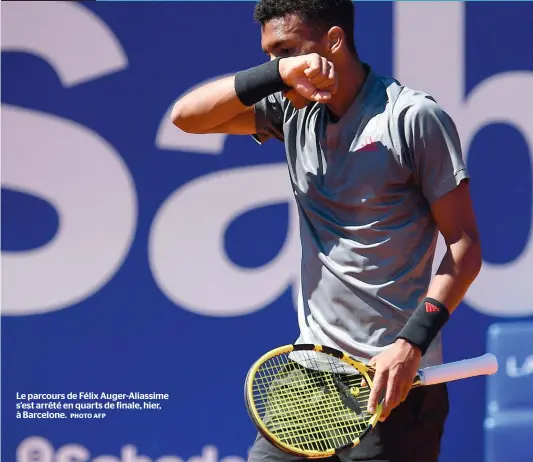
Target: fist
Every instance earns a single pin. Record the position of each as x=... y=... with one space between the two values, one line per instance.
x=312 y=76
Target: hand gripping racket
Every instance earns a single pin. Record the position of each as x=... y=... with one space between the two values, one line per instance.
x=308 y=400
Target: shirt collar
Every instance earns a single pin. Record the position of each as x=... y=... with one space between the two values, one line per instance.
x=367 y=89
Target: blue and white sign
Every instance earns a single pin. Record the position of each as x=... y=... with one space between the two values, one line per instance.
x=132 y=261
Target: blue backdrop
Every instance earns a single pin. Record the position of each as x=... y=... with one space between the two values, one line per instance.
x=105 y=206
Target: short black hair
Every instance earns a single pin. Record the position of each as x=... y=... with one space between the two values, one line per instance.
x=323 y=14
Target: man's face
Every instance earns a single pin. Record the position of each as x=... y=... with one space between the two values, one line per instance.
x=290 y=36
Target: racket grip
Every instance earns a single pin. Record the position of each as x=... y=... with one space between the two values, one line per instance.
x=482 y=365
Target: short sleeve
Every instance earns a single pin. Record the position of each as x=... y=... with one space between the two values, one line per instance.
x=434 y=148
x=269 y=118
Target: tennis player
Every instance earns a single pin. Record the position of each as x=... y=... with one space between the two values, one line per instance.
x=377 y=171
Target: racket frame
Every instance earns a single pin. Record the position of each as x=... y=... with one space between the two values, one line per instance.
x=286 y=349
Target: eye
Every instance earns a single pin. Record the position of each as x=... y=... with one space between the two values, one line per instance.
x=286 y=51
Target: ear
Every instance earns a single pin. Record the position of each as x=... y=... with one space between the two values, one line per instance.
x=336 y=39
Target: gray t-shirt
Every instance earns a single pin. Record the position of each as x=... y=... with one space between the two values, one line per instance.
x=363 y=187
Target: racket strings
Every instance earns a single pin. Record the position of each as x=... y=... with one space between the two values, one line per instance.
x=305 y=406
x=325 y=424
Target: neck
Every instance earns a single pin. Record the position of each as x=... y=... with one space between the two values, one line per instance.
x=353 y=77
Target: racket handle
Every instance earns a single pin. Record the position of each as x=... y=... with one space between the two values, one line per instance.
x=482 y=365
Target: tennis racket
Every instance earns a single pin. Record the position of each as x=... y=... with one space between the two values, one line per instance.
x=308 y=400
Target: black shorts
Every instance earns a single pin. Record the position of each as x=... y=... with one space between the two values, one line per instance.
x=412 y=433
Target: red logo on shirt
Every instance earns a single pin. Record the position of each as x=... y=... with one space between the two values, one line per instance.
x=430 y=308
x=370 y=146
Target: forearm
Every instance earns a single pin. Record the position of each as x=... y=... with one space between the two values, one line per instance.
x=458 y=269
x=217 y=103
x=208 y=106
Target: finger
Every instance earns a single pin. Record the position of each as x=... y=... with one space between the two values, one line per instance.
x=323 y=79
x=324 y=71
x=405 y=392
x=321 y=96
x=314 y=66
x=332 y=74
x=320 y=80
x=325 y=67
x=380 y=381
x=305 y=88
x=392 y=397
x=319 y=75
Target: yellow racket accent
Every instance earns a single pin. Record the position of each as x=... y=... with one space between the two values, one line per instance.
x=308 y=400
